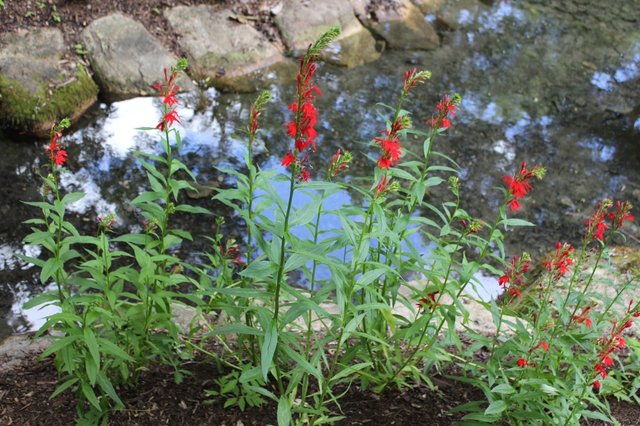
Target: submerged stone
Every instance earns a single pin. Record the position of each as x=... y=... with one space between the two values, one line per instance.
x=302 y=22
x=428 y=6
x=404 y=27
x=126 y=59
x=223 y=52
x=38 y=87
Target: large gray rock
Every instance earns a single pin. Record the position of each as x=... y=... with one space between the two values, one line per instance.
x=404 y=27
x=428 y=6
x=301 y=22
x=126 y=59
x=222 y=51
x=37 y=87
x=458 y=13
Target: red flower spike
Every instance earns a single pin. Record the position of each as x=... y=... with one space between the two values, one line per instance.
x=596 y=385
x=559 y=264
x=519 y=186
x=446 y=109
x=522 y=362
x=543 y=345
x=303 y=175
x=382 y=186
x=596 y=226
x=513 y=275
x=56 y=153
x=288 y=159
x=168 y=92
x=620 y=215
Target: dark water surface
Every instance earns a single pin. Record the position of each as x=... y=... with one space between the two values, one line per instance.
x=554 y=83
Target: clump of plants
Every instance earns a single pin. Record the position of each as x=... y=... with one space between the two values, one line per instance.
x=385 y=316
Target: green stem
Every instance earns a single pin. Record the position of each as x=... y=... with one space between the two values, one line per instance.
x=316 y=232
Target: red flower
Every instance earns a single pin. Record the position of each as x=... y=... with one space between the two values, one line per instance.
x=522 y=362
x=582 y=318
x=543 y=345
x=288 y=159
x=621 y=214
x=412 y=77
x=446 y=109
x=61 y=157
x=339 y=162
x=596 y=226
x=429 y=301
x=303 y=175
x=382 y=186
x=168 y=91
x=56 y=153
x=513 y=275
x=596 y=385
x=301 y=129
x=519 y=186
x=561 y=261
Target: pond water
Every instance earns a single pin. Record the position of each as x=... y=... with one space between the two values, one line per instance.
x=553 y=83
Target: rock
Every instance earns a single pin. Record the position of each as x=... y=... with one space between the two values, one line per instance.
x=19 y=348
x=428 y=6
x=404 y=27
x=301 y=22
x=126 y=59
x=37 y=87
x=456 y=13
x=225 y=53
x=353 y=50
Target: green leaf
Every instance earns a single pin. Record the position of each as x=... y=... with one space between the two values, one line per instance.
x=239 y=329
x=370 y=276
x=147 y=197
x=350 y=370
x=504 y=389
x=49 y=269
x=72 y=197
x=59 y=344
x=92 y=345
x=284 y=411
x=351 y=325
x=516 y=222
x=90 y=395
x=302 y=362
x=107 y=387
x=63 y=387
x=192 y=209
x=111 y=348
x=268 y=349
x=258 y=270
x=496 y=407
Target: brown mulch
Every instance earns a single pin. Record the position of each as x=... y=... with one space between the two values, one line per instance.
x=157 y=400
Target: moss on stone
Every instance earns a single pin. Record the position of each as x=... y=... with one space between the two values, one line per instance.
x=26 y=112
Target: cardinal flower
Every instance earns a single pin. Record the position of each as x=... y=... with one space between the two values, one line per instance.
x=519 y=185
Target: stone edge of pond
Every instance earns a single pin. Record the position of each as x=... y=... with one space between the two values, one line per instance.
x=50 y=86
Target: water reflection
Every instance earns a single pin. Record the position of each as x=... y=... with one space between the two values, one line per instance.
x=537 y=85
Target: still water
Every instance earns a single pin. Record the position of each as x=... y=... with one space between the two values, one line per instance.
x=555 y=83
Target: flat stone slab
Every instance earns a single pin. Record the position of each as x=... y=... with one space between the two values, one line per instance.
x=428 y=6
x=38 y=87
x=404 y=27
x=301 y=22
x=223 y=52
x=126 y=59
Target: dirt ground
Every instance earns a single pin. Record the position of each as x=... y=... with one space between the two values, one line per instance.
x=157 y=400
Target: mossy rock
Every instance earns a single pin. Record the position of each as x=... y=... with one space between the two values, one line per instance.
x=34 y=113
x=37 y=87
